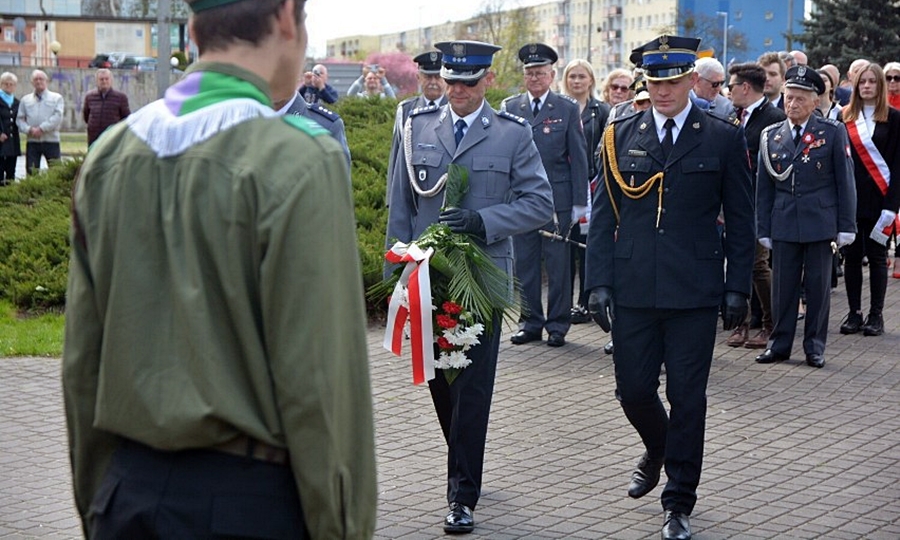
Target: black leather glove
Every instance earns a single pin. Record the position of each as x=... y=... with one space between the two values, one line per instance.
x=734 y=310
x=463 y=220
x=602 y=307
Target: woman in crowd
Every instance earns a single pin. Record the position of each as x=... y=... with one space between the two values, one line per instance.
x=828 y=105
x=616 y=87
x=874 y=129
x=9 y=131
x=892 y=74
x=578 y=83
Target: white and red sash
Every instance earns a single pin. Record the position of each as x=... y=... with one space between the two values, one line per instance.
x=871 y=158
x=411 y=301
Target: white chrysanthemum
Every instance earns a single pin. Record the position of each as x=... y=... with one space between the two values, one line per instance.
x=458 y=359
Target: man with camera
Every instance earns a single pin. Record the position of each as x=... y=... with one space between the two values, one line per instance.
x=315 y=86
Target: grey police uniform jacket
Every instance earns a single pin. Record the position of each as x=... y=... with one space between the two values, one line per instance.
x=507 y=183
x=404 y=108
x=677 y=263
x=559 y=137
x=817 y=198
x=326 y=118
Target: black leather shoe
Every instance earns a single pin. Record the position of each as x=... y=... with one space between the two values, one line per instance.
x=770 y=357
x=608 y=348
x=460 y=519
x=645 y=477
x=815 y=360
x=676 y=527
x=579 y=315
x=874 y=325
x=853 y=324
x=524 y=336
x=556 y=339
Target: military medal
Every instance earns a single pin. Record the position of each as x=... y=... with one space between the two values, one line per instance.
x=805 y=158
x=696 y=125
x=547 y=129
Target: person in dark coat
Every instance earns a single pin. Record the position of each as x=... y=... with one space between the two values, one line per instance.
x=10 y=146
x=103 y=106
x=656 y=265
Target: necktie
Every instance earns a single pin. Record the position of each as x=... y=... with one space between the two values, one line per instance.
x=537 y=106
x=797 y=136
x=668 y=141
x=460 y=130
x=744 y=114
x=431 y=104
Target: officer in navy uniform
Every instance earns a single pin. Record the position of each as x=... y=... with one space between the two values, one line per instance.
x=433 y=89
x=556 y=124
x=326 y=118
x=806 y=208
x=656 y=265
x=508 y=194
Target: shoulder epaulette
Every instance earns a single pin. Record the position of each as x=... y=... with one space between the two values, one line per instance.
x=327 y=113
x=424 y=110
x=570 y=98
x=831 y=121
x=511 y=116
x=511 y=98
x=730 y=119
x=305 y=125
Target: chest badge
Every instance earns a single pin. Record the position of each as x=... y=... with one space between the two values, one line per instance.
x=423 y=174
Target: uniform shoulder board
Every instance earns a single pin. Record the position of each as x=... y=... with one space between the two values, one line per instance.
x=305 y=125
x=424 y=110
x=569 y=98
x=510 y=98
x=327 y=113
x=511 y=116
x=731 y=119
x=831 y=121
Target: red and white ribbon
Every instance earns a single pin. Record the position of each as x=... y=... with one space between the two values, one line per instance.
x=415 y=285
x=871 y=158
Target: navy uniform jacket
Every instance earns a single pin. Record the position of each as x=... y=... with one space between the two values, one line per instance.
x=558 y=135
x=403 y=109
x=817 y=199
x=507 y=183
x=326 y=118
x=678 y=264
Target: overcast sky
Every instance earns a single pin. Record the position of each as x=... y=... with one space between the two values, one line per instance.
x=329 y=19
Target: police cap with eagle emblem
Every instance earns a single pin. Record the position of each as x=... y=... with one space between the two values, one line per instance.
x=429 y=62
x=666 y=57
x=465 y=60
x=804 y=78
x=537 y=54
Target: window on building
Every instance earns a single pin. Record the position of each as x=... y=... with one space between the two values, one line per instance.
x=9 y=34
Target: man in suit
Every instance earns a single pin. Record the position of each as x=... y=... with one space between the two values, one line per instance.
x=656 y=269
x=755 y=112
x=508 y=194
x=433 y=90
x=774 y=67
x=805 y=205
x=556 y=125
x=711 y=78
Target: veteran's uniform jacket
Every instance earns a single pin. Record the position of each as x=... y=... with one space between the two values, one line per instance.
x=809 y=193
x=667 y=253
x=507 y=183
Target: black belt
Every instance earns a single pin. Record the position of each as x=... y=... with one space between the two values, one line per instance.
x=252 y=448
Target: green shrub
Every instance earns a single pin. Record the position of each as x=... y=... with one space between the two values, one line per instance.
x=34 y=245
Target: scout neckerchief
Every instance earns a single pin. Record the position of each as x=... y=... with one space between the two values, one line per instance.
x=201 y=105
x=871 y=158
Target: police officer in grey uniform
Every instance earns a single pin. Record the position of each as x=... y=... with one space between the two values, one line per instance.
x=433 y=89
x=326 y=118
x=508 y=194
x=556 y=126
x=806 y=208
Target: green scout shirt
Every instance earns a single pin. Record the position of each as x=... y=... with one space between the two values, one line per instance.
x=217 y=292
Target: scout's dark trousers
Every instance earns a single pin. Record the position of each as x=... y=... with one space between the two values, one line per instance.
x=683 y=340
x=194 y=494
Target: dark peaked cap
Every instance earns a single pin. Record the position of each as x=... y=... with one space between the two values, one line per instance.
x=804 y=78
x=465 y=60
x=666 y=57
x=537 y=54
x=429 y=62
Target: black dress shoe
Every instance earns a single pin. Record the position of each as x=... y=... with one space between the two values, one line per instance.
x=608 y=348
x=556 y=339
x=815 y=360
x=676 y=527
x=524 y=336
x=579 y=315
x=874 y=325
x=770 y=357
x=853 y=324
x=645 y=477
x=460 y=519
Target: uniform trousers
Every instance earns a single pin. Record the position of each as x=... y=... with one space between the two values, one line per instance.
x=864 y=246
x=463 y=409
x=149 y=493
x=34 y=151
x=683 y=341
x=792 y=262
x=532 y=249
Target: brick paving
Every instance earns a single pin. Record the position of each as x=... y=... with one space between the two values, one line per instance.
x=791 y=452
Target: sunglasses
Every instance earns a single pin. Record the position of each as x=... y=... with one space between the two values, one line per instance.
x=470 y=84
x=729 y=86
x=618 y=87
x=714 y=84
x=892 y=78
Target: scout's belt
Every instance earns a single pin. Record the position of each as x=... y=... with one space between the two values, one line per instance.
x=252 y=448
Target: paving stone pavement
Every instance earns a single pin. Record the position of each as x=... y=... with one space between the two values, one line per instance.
x=792 y=452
